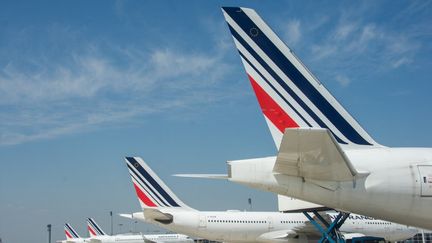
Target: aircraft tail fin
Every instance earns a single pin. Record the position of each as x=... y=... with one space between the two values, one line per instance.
x=151 y=191
x=70 y=232
x=289 y=95
x=93 y=228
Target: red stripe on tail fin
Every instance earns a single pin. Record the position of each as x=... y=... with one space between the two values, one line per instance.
x=143 y=197
x=68 y=235
x=271 y=109
x=91 y=231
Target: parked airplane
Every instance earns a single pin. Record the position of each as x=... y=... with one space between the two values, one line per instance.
x=324 y=156
x=163 y=208
x=97 y=235
x=71 y=235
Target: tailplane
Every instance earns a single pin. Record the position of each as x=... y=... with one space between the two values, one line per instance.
x=151 y=191
x=93 y=228
x=289 y=95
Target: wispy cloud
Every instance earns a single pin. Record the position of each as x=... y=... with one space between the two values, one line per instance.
x=343 y=80
x=350 y=42
x=293 y=31
x=46 y=98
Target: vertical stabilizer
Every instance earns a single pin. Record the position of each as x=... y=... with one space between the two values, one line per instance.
x=151 y=191
x=70 y=232
x=93 y=228
x=289 y=95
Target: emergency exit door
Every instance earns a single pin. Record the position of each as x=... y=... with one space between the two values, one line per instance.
x=425 y=180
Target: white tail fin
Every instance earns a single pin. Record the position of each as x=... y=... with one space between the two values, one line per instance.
x=150 y=189
x=93 y=228
x=70 y=232
x=289 y=95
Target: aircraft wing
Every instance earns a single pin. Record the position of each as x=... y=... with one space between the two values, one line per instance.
x=294 y=233
x=292 y=205
x=148 y=241
x=280 y=235
x=94 y=241
x=313 y=153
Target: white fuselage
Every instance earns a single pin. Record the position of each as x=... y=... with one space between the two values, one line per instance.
x=136 y=238
x=236 y=226
x=398 y=187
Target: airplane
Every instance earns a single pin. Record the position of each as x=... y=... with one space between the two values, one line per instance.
x=97 y=235
x=160 y=206
x=71 y=235
x=324 y=155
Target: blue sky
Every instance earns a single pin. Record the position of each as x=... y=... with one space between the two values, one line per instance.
x=85 y=83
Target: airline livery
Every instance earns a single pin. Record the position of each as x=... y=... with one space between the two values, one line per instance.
x=93 y=229
x=163 y=208
x=324 y=155
x=97 y=235
x=71 y=235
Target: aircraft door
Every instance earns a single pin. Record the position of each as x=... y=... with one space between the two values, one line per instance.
x=202 y=221
x=425 y=180
x=270 y=223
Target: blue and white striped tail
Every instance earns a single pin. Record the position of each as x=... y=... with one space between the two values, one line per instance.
x=93 y=228
x=150 y=189
x=70 y=232
x=288 y=93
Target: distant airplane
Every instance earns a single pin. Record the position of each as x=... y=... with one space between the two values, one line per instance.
x=163 y=208
x=71 y=235
x=97 y=235
x=325 y=156
x=94 y=230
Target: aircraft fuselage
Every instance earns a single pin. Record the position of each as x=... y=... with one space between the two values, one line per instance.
x=396 y=184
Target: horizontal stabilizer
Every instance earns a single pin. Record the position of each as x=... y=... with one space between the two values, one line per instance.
x=291 y=205
x=205 y=176
x=94 y=240
x=150 y=214
x=313 y=153
x=157 y=215
x=126 y=215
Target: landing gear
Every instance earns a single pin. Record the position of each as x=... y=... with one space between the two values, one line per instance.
x=330 y=231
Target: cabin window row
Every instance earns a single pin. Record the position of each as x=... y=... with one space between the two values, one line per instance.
x=378 y=223
x=292 y=222
x=237 y=221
